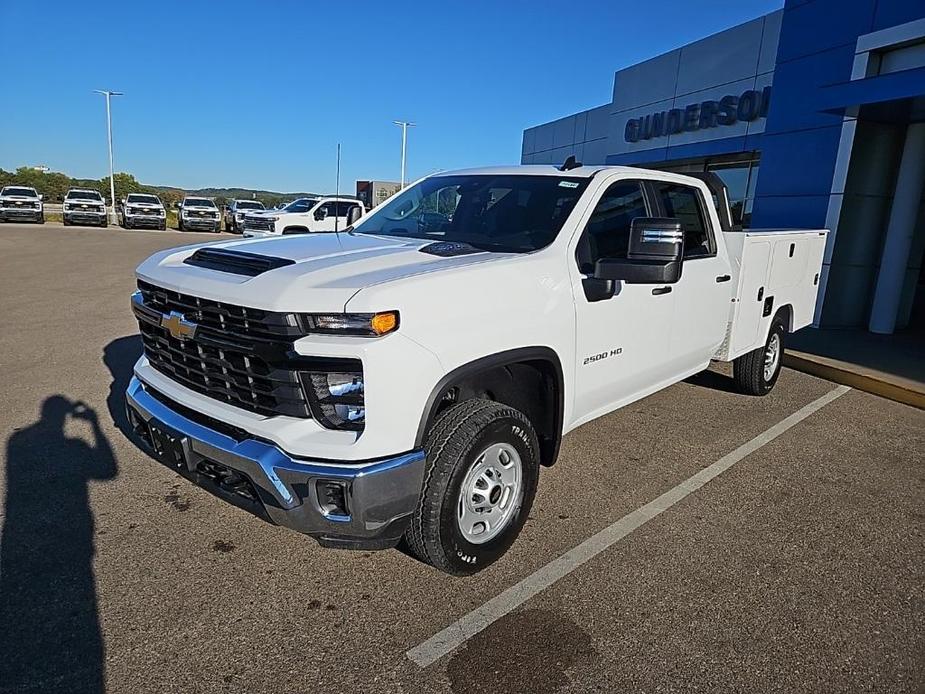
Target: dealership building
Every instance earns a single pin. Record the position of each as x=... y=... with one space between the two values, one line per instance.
x=814 y=116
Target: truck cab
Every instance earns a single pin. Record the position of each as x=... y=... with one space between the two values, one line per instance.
x=410 y=378
x=305 y=215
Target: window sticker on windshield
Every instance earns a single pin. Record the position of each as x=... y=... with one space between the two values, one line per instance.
x=568 y=184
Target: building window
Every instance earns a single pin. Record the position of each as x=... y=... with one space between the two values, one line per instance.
x=738 y=172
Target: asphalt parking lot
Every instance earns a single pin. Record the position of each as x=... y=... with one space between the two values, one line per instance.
x=800 y=568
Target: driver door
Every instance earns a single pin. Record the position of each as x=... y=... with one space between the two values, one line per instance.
x=622 y=341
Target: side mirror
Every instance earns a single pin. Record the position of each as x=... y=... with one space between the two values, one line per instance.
x=320 y=214
x=41 y=196
x=354 y=214
x=654 y=255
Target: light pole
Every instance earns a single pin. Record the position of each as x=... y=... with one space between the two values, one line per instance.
x=404 y=143
x=112 y=182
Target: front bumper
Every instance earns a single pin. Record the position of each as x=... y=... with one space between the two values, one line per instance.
x=201 y=223
x=380 y=495
x=145 y=220
x=20 y=213
x=85 y=216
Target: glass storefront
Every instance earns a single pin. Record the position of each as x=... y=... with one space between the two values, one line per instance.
x=740 y=174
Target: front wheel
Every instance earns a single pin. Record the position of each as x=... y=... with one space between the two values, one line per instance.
x=480 y=481
x=756 y=372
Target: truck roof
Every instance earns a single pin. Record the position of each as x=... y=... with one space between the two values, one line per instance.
x=536 y=170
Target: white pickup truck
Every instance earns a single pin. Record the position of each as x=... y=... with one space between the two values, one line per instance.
x=21 y=203
x=303 y=216
x=410 y=377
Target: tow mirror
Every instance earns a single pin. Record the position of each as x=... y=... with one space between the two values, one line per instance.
x=354 y=214
x=41 y=196
x=654 y=254
x=320 y=214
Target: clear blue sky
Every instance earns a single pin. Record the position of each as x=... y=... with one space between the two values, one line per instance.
x=257 y=94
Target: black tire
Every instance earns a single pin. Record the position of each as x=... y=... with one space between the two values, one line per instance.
x=105 y=224
x=162 y=226
x=749 y=369
x=41 y=219
x=65 y=222
x=180 y=224
x=454 y=445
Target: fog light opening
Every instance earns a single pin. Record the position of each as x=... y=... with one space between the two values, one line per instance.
x=332 y=498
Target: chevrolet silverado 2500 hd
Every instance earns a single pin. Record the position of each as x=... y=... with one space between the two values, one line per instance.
x=143 y=210
x=410 y=377
x=235 y=211
x=198 y=213
x=303 y=216
x=21 y=203
x=84 y=206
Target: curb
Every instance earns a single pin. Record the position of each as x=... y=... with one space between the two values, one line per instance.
x=856 y=379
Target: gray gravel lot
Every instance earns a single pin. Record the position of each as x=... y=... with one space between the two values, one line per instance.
x=801 y=569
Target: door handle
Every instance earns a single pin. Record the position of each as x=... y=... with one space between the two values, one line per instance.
x=723 y=278
x=661 y=290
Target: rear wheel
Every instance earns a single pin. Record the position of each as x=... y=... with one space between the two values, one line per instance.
x=756 y=372
x=480 y=481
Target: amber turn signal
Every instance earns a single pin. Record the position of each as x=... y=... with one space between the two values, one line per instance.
x=383 y=323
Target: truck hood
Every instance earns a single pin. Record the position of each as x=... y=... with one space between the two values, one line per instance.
x=27 y=198
x=326 y=270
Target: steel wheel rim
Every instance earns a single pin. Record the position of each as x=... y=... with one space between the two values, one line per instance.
x=490 y=493
x=771 y=356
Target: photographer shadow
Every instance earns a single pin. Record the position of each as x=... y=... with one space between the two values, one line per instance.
x=50 y=638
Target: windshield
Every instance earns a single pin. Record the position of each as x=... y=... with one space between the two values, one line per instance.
x=150 y=199
x=301 y=205
x=505 y=213
x=199 y=202
x=84 y=195
x=249 y=205
x=27 y=192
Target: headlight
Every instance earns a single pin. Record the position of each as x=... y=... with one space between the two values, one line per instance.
x=336 y=398
x=359 y=324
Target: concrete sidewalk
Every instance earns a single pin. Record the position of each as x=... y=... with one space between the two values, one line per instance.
x=891 y=366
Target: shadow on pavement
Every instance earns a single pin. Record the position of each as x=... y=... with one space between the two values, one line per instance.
x=714 y=381
x=50 y=637
x=120 y=356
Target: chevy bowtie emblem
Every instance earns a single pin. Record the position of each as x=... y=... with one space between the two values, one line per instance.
x=177 y=325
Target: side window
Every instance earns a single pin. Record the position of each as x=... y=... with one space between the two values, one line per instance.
x=330 y=209
x=685 y=204
x=607 y=233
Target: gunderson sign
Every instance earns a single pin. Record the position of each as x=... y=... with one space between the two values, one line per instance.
x=748 y=106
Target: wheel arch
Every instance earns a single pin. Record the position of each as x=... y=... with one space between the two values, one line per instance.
x=785 y=315
x=295 y=229
x=527 y=378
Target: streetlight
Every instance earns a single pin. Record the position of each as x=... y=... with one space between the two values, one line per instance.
x=112 y=182
x=404 y=143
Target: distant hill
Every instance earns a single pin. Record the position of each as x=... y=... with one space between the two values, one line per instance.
x=231 y=193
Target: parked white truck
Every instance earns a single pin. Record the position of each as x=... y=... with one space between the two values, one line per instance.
x=195 y=213
x=21 y=204
x=304 y=216
x=143 y=210
x=410 y=377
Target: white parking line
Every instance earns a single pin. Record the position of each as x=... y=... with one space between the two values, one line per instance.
x=468 y=626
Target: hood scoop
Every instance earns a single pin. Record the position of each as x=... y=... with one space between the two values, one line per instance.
x=236 y=262
x=449 y=249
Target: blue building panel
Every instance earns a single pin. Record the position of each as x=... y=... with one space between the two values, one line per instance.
x=820 y=25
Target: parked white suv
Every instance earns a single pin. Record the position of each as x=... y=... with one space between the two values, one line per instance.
x=198 y=214
x=84 y=206
x=235 y=211
x=305 y=215
x=143 y=210
x=410 y=378
x=21 y=203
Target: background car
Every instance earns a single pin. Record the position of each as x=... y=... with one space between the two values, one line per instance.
x=235 y=211
x=21 y=203
x=198 y=213
x=85 y=206
x=143 y=210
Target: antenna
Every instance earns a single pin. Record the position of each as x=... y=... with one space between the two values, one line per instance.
x=337 y=189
